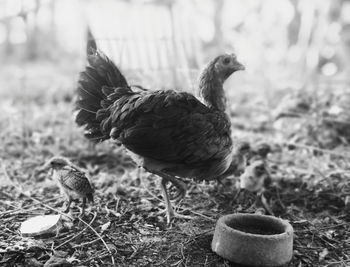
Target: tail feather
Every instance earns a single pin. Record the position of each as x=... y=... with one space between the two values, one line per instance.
x=93 y=75
x=91 y=43
x=100 y=79
x=83 y=117
x=106 y=70
x=107 y=90
x=88 y=85
x=87 y=105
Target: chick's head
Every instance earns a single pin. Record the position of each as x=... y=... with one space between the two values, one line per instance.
x=57 y=163
x=255 y=177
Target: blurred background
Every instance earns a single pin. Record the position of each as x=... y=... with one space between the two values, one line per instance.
x=296 y=53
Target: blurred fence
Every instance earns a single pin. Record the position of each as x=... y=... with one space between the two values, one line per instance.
x=152 y=40
x=167 y=42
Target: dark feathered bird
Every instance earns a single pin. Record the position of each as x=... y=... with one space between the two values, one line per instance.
x=171 y=134
x=71 y=181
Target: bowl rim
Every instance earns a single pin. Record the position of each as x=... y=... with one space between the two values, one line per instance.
x=287 y=227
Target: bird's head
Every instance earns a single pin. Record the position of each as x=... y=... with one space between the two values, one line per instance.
x=255 y=177
x=225 y=65
x=213 y=77
x=243 y=148
x=241 y=155
x=56 y=163
x=263 y=149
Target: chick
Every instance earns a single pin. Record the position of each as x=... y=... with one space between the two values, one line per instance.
x=71 y=181
x=241 y=153
x=262 y=150
x=256 y=178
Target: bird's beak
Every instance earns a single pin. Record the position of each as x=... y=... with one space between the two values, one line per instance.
x=239 y=66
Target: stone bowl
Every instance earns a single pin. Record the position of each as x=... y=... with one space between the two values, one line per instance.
x=254 y=240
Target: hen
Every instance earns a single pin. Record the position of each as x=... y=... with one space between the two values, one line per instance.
x=171 y=134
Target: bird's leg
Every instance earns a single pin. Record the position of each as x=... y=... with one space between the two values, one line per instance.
x=265 y=204
x=67 y=204
x=260 y=200
x=170 y=213
x=139 y=173
x=182 y=188
x=82 y=213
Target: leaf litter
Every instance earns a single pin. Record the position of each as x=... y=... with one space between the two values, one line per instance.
x=125 y=225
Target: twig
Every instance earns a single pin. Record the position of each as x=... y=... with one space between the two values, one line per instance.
x=78 y=234
x=337 y=262
x=86 y=243
x=197 y=213
x=192 y=239
x=17 y=210
x=93 y=257
x=326 y=151
x=333 y=226
x=325 y=118
x=321 y=228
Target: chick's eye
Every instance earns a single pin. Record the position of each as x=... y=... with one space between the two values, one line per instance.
x=259 y=170
x=226 y=60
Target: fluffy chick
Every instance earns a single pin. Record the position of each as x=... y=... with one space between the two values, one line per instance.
x=256 y=178
x=71 y=181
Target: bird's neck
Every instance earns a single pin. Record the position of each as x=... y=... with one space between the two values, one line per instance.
x=211 y=89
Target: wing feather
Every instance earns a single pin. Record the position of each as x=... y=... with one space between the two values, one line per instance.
x=76 y=180
x=170 y=126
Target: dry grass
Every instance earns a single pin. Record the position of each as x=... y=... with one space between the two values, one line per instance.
x=310 y=189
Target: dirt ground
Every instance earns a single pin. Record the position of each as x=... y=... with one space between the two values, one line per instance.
x=126 y=225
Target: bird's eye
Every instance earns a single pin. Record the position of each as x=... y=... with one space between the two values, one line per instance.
x=226 y=60
x=260 y=170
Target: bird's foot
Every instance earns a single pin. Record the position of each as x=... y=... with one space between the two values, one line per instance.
x=260 y=211
x=176 y=215
x=173 y=215
x=266 y=205
x=261 y=206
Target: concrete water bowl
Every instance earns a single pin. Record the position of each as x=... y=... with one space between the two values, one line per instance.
x=254 y=240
